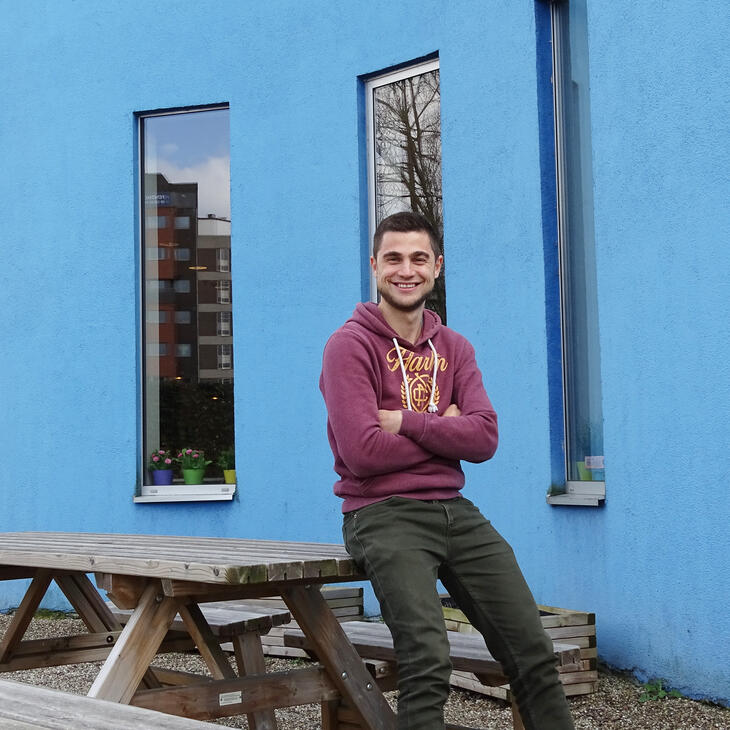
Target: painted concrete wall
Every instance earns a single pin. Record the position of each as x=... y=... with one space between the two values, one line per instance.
x=651 y=562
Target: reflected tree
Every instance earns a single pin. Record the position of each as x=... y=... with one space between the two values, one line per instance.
x=408 y=157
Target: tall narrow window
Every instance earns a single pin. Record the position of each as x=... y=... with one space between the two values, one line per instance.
x=403 y=111
x=187 y=392
x=578 y=287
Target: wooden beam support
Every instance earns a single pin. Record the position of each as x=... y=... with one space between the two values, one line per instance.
x=206 y=641
x=243 y=695
x=136 y=647
x=22 y=618
x=311 y=612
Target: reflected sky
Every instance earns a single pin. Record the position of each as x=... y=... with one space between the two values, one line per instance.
x=193 y=147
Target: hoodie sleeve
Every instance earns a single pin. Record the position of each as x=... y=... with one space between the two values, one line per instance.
x=473 y=435
x=349 y=386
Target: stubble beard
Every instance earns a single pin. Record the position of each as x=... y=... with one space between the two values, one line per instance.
x=402 y=307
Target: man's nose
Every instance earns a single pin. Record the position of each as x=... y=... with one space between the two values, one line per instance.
x=405 y=269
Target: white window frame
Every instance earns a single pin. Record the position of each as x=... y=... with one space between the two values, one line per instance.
x=371 y=85
x=224 y=323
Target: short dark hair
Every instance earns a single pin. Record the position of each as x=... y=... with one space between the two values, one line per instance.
x=405 y=222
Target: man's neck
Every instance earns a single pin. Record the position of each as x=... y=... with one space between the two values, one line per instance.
x=407 y=325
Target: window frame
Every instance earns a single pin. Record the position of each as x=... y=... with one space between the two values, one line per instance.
x=577 y=493
x=178 y=492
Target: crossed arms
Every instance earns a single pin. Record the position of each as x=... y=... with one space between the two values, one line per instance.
x=372 y=441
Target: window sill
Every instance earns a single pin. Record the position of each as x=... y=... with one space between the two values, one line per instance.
x=580 y=494
x=187 y=493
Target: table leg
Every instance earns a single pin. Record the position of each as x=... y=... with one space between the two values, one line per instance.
x=250 y=660
x=136 y=647
x=344 y=665
x=28 y=606
x=93 y=611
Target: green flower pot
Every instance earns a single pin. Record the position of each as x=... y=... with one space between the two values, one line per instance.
x=229 y=476
x=193 y=476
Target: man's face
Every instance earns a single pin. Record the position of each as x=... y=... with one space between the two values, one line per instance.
x=406 y=269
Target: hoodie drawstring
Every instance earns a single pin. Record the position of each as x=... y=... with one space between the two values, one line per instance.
x=432 y=407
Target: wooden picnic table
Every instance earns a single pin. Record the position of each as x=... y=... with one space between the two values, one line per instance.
x=159 y=577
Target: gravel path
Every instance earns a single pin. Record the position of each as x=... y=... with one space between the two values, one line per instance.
x=616 y=704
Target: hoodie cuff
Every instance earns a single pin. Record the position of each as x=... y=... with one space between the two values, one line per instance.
x=413 y=425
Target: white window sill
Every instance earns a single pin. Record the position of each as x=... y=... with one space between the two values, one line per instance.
x=187 y=493
x=580 y=494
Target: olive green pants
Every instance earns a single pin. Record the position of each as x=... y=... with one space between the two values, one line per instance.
x=404 y=546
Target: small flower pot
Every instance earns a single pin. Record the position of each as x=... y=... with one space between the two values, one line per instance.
x=229 y=476
x=193 y=476
x=161 y=476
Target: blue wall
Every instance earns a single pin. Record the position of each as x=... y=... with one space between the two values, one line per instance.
x=652 y=562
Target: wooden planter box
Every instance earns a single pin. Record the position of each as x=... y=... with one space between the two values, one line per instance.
x=575 y=627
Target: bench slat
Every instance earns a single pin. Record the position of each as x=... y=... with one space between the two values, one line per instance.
x=468 y=651
x=226 y=619
x=24 y=706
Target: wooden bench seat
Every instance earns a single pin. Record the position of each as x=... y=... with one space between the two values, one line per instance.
x=469 y=653
x=26 y=707
x=227 y=618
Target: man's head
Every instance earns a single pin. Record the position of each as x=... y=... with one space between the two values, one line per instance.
x=405 y=262
x=405 y=222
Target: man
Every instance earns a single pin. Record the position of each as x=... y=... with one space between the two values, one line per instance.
x=405 y=403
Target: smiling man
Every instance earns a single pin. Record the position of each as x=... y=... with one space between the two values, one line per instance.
x=405 y=404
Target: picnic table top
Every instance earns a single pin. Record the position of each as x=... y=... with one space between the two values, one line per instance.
x=226 y=561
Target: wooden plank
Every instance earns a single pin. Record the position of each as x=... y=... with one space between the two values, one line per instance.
x=23 y=616
x=242 y=695
x=213 y=560
x=135 y=648
x=346 y=670
x=570 y=632
x=226 y=619
x=25 y=706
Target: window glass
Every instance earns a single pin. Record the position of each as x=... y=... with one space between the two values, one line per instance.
x=404 y=152
x=187 y=395
x=579 y=303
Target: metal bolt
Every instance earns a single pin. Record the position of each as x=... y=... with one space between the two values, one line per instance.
x=109 y=639
x=344 y=675
x=368 y=686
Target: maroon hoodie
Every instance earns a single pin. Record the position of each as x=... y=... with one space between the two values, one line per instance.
x=365 y=368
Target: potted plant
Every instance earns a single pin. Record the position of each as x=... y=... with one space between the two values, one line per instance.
x=193 y=463
x=160 y=466
x=227 y=462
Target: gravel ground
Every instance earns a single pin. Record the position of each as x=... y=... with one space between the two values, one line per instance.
x=616 y=704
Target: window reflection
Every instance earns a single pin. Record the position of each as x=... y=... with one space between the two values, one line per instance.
x=188 y=385
x=406 y=151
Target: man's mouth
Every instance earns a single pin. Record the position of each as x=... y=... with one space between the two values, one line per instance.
x=404 y=287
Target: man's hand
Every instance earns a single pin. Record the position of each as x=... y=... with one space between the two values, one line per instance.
x=390 y=421
x=451 y=411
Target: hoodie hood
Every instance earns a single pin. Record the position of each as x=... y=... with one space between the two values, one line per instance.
x=369 y=316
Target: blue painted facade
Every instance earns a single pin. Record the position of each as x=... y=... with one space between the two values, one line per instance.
x=652 y=563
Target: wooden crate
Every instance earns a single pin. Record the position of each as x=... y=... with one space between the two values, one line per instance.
x=346 y=604
x=575 y=627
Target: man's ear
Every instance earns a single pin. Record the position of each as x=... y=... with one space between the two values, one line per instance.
x=373 y=264
x=439 y=264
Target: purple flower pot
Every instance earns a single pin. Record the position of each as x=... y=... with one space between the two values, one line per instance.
x=161 y=476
